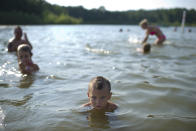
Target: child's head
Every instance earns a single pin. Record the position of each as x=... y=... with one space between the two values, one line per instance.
x=99 y=92
x=144 y=23
x=18 y=32
x=24 y=53
x=146 y=48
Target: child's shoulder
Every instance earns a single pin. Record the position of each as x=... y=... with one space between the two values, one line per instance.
x=112 y=106
x=11 y=40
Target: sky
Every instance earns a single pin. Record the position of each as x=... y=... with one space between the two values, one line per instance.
x=124 y=5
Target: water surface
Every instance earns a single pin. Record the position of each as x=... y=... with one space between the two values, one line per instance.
x=154 y=92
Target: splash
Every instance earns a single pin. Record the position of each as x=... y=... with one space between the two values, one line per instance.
x=5 y=69
x=2 y=117
x=99 y=51
x=134 y=39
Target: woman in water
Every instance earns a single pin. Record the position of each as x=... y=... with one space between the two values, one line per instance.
x=152 y=30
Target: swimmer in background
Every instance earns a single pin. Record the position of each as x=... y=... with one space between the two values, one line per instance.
x=25 y=62
x=189 y=30
x=145 y=48
x=152 y=30
x=175 y=29
x=99 y=94
x=17 y=40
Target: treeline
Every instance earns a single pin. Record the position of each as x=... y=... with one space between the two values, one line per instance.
x=34 y=12
x=163 y=17
x=41 y=12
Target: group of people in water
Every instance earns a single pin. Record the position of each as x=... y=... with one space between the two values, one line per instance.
x=150 y=30
x=99 y=88
x=23 y=48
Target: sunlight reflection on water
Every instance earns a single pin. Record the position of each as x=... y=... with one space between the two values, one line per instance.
x=154 y=88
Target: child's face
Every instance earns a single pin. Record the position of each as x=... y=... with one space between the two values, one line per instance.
x=99 y=98
x=18 y=33
x=24 y=57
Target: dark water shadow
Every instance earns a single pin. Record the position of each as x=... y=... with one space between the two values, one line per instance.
x=98 y=119
x=168 y=116
x=25 y=99
x=26 y=81
x=4 y=85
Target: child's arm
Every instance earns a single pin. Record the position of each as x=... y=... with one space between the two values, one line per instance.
x=26 y=39
x=112 y=106
x=36 y=67
x=10 y=47
x=25 y=69
x=22 y=68
x=146 y=38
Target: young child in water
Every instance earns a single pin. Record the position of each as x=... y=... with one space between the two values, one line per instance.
x=145 y=48
x=152 y=30
x=99 y=94
x=25 y=62
x=17 y=40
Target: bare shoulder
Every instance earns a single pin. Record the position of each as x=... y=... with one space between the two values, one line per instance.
x=147 y=31
x=112 y=106
x=11 y=40
x=10 y=44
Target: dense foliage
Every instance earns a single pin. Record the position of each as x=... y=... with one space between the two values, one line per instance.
x=41 y=12
x=34 y=12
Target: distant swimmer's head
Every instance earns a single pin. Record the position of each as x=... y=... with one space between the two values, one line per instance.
x=144 y=23
x=18 y=32
x=99 y=92
x=146 y=48
x=24 y=53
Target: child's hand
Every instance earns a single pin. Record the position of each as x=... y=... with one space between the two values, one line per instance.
x=25 y=37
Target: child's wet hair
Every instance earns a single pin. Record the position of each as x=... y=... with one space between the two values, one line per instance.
x=144 y=21
x=99 y=83
x=25 y=48
x=18 y=28
x=146 y=48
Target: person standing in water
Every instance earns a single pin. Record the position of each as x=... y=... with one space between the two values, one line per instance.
x=152 y=30
x=17 y=40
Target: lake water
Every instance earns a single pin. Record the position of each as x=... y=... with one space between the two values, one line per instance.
x=154 y=92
